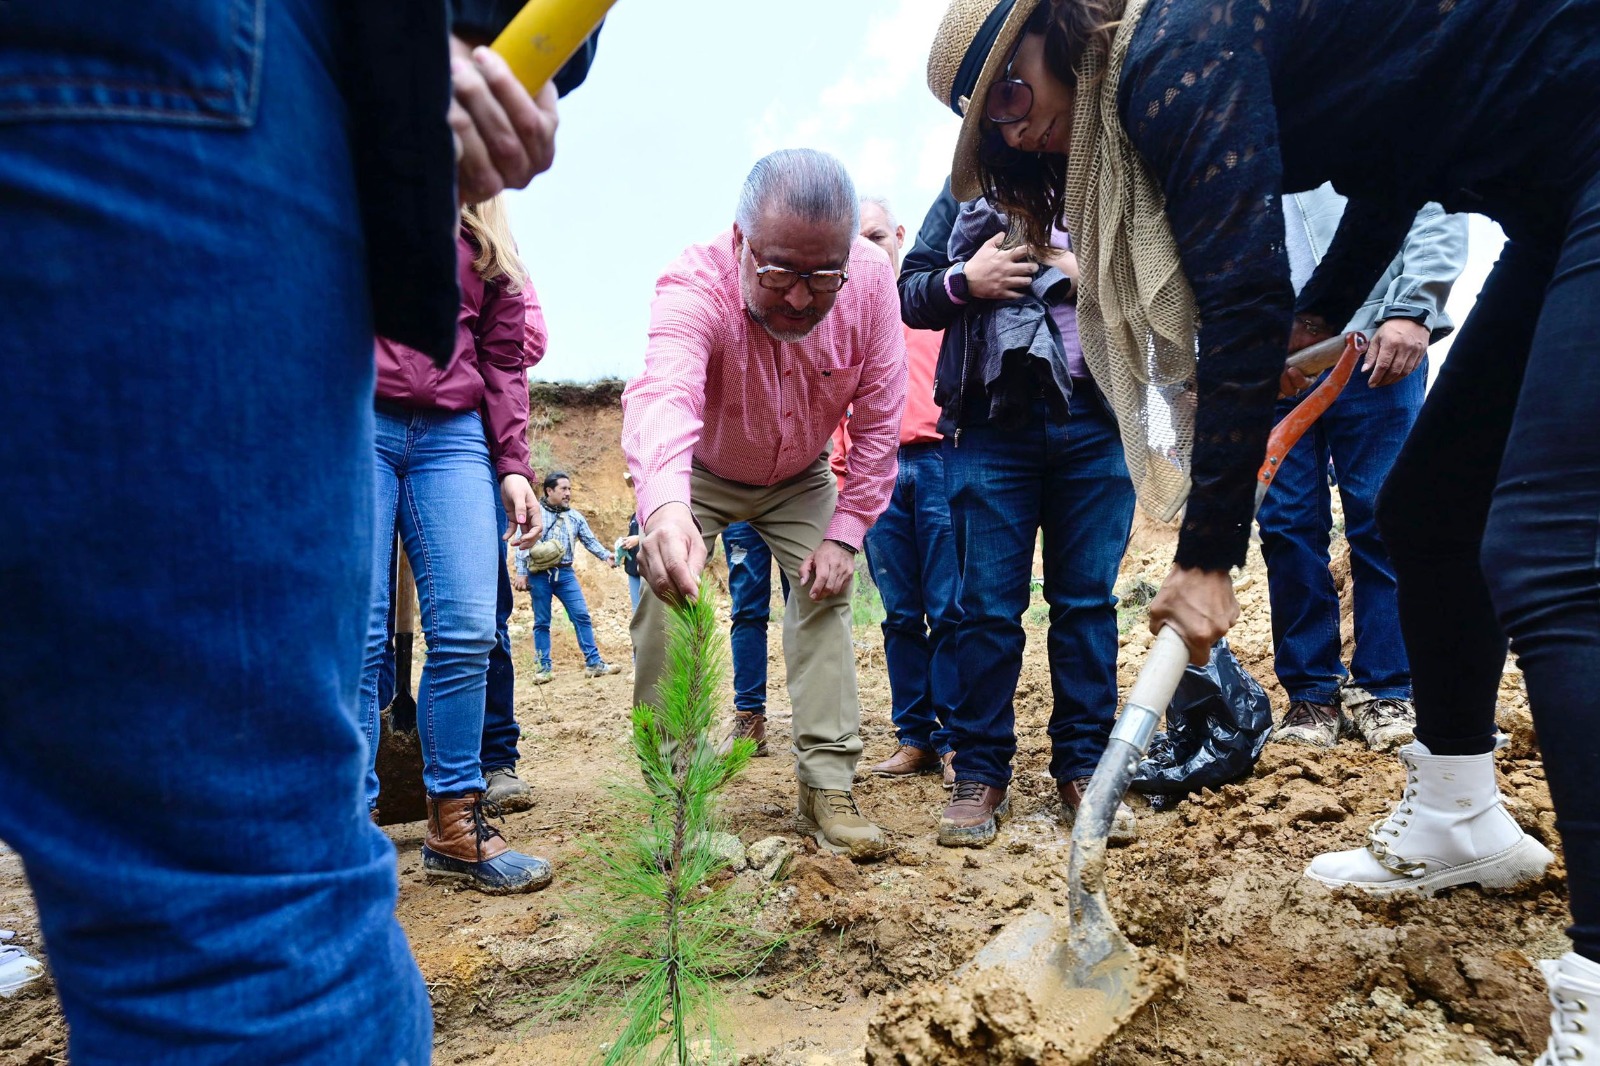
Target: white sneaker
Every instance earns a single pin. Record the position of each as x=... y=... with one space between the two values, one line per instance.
x=1574 y=984
x=17 y=967
x=1451 y=827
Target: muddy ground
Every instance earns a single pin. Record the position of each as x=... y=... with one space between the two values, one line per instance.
x=1278 y=970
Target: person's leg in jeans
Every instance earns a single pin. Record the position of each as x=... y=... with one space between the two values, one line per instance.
x=1364 y=436
x=996 y=482
x=750 y=590
x=500 y=730
x=1541 y=553
x=1087 y=505
x=894 y=557
x=208 y=883
x=1296 y=520
x=1450 y=825
x=540 y=590
x=941 y=586
x=389 y=435
x=564 y=583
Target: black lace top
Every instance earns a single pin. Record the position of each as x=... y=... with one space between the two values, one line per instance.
x=1490 y=106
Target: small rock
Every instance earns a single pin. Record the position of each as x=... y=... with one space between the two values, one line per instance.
x=770 y=856
x=729 y=848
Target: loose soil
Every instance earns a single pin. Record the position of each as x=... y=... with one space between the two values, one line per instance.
x=1275 y=968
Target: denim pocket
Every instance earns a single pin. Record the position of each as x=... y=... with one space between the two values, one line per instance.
x=188 y=62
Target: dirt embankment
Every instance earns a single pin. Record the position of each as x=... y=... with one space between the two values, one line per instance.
x=1279 y=970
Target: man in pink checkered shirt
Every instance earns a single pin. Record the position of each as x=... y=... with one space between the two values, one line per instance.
x=759 y=341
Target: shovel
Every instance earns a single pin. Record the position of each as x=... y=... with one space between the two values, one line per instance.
x=1039 y=992
x=401 y=794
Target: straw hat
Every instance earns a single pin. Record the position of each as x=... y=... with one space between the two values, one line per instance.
x=969 y=51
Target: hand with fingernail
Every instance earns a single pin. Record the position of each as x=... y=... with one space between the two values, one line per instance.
x=504 y=136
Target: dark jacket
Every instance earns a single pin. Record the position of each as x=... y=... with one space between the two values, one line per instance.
x=997 y=359
x=397 y=84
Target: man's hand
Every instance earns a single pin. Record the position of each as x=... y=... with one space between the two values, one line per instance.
x=1200 y=605
x=503 y=135
x=827 y=570
x=524 y=520
x=672 y=553
x=1308 y=330
x=519 y=582
x=993 y=274
x=1396 y=350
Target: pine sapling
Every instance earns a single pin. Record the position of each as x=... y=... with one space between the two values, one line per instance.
x=666 y=933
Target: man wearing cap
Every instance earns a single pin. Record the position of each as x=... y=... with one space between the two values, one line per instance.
x=759 y=341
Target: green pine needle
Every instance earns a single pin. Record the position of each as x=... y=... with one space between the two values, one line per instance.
x=667 y=935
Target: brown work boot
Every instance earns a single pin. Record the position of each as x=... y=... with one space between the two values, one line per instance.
x=462 y=846
x=1124 y=827
x=831 y=816
x=948 y=761
x=974 y=815
x=747 y=724
x=1385 y=724
x=907 y=761
x=1317 y=725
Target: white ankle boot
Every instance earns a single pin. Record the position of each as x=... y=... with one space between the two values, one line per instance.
x=1450 y=828
x=1574 y=984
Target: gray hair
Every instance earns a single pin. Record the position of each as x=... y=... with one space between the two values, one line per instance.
x=809 y=184
x=882 y=203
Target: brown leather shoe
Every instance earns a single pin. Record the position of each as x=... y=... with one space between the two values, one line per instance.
x=907 y=761
x=1124 y=827
x=974 y=815
x=747 y=724
x=462 y=846
x=948 y=761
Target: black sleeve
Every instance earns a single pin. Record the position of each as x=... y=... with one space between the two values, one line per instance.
x=573 y=74
x=482 y=20
x=1370 y=235
x=924 y=303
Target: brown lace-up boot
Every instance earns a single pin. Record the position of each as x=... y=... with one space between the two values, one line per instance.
x=973 y=815
x=747 y=724
x=462 y=846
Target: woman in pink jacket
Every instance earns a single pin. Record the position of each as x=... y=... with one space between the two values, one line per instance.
x=444 y=438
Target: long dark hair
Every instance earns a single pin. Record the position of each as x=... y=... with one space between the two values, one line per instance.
x=1031 y=187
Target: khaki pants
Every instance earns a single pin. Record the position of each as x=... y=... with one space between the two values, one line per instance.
x=818 y=650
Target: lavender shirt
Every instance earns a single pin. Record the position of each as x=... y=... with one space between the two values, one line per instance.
x=1065 y=316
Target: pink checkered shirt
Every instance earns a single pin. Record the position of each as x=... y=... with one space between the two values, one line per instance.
x=719 y=389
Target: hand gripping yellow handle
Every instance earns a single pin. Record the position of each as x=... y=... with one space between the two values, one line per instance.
x=545 y=34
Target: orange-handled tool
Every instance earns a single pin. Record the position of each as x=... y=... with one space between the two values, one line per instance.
x=545 y=34
x=1339 y=352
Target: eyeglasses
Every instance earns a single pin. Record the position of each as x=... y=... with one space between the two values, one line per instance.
x=1010 y=98
x=781 y=279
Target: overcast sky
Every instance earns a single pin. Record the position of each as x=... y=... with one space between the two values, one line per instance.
x=653 y=147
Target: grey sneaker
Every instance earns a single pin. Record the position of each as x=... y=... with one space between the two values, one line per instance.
x=1315 y=724
x=601 y=670
x=506 y=790
x=1384 y=724
x=543 y=677
x=17 y=967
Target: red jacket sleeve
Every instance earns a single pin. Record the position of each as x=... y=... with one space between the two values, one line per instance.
x=537 y=339
x=502 y=359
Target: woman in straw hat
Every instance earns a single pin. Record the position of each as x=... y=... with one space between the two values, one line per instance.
x=1165 y=133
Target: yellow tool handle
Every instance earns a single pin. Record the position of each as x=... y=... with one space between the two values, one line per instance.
x=545 y=34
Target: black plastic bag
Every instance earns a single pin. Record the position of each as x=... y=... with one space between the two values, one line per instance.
x=1217 y=724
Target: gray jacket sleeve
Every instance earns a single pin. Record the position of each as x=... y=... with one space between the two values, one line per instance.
x=1433 y=256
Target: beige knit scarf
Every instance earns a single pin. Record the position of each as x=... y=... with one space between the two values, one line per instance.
x=1136 y=313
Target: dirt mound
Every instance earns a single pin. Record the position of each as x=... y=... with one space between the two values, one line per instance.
x=1277 y=969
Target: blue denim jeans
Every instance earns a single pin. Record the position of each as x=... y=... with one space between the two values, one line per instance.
x=1068 y=480
x=434 y=484
x=562 y=583
x=1361 y=433
x=500 y=730
x=750 y=590
x=911 y=551
x=189 y=811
